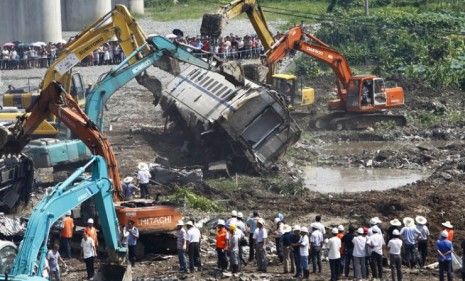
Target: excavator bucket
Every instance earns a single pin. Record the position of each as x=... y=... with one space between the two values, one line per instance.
x=233 y=72
x=114 y=272
x=212 y=25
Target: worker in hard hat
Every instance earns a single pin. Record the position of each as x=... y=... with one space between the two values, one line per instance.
x=66 y=234
x=221 y=242
x=91 y=231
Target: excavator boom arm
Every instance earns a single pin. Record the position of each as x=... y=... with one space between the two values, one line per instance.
x=123 y=73
x=54 y=99
x=294 y=40
x=118 y=22
x=64 y=197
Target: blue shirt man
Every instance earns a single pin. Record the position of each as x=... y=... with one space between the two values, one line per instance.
x=444 y=248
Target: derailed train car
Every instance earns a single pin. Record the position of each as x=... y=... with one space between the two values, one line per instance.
x=246 y=127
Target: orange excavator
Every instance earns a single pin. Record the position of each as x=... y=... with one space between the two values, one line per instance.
x=362 y=100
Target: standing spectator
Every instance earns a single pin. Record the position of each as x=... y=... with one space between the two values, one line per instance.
x=367 y=254
x=303 y=244
x=375 y=221
x=295 y=238
x=181 y=244
x=233 y=218
x=375 y=243
x=278 y=232
x=394 y=224
x=240 y=222
x=450 y=230
x=91 y=231
x=241 y=230
x=316 y=241
x=444 y=248
x=221 y=242
x=410 y=235
x=252 y=225
x=89 y=253
x=395 y=246
x=340 y=235
x=193 y=246
x=143 y=177
x=359 y=253
x=234 y=237
x=422 y=239
x=66 y=234
x=53 y=257
x=288 y=256
x=348 y=249
x=334 y=254
x=128 y=188
x=260 y=237
x=132 y=241
x=319 y=225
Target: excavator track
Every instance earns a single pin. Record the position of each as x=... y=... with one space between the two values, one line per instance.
x=356 y=121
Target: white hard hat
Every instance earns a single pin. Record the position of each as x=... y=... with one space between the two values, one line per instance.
x=190 y=223
x=91 y=220
x=240 y=215
x=360 y=230
x=220 y=222
x=276 y=220
x=261 y=221
x=234 y=213
x=180 y=222
x=335 y=231
x=396 y=232
x=296 y=227
x=68 y=213
x=304 y=229
x=444 y=234
x=340 y=227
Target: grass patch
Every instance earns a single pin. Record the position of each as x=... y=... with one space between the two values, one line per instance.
x=428 y=119
x=186 y=196
x=231 y=184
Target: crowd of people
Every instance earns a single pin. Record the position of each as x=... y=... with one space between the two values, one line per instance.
x=356 y=252
x=18 y=55
x=40 y=55
x=300 y=249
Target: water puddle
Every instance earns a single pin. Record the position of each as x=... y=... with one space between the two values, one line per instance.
x=340 y=179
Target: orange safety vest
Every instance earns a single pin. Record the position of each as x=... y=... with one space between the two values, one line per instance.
x=92 y=233
x=450 y=234
x=221 y=237
x=68 y=226
x=340 y=235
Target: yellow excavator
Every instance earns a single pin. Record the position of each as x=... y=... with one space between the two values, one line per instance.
x=118 y=23
x=287 y=84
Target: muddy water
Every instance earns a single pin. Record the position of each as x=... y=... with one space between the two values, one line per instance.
x=340 y=180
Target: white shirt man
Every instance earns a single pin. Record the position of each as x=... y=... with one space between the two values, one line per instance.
x=316 y=239
x=260 y=234
x=360 y=242
x=334 y=248
x=395 y=246
x=143 y=176
x=376 y=243
x=193 y=235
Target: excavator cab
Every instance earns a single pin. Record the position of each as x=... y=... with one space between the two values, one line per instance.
x=287 y=85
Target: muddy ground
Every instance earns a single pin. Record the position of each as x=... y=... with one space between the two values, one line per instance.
x=138 y=134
